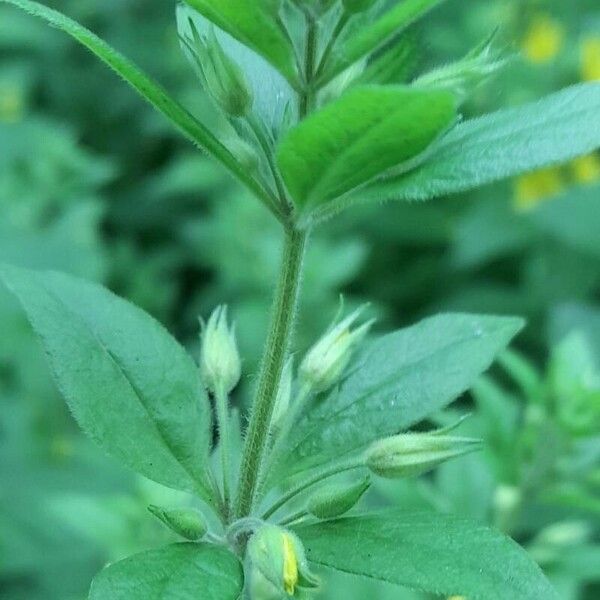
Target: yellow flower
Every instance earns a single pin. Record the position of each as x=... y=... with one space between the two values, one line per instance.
x=457 y=598
x=590 y=59
x=290 y=565
x=11 y=104
x=543 y=40
x=532 y=188
x=586 y=169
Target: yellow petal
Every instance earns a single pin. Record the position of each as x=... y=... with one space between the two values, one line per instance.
x=586 y=169
x=543 y=40
x=533 y=188
x=290 y=565
x=590 y=59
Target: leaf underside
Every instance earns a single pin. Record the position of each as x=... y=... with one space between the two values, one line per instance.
x=509 y=142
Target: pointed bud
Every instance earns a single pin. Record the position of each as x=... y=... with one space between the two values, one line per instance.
x=277 y=565
x=186 y=522
x=411 y=454
x=463 y=76
x=325 y=362
x=220 y=364
x=220 y=75
x=284 y=394
x=334 y=501
x=357 y=6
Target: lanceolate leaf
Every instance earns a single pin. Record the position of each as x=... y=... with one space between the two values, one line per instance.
x=438 y=554
x=177 y=572
x=370 y=38
x=253 y=23
x=397 y=381
x=553 y=130
x=366 y=132
x=145 y=86
x=130 y=385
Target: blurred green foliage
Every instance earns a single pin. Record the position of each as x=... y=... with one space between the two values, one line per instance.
x=92 y=182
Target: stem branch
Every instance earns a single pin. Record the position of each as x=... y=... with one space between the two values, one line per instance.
x=320 y=475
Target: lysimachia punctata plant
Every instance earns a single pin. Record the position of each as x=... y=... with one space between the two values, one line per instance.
x=316 y=124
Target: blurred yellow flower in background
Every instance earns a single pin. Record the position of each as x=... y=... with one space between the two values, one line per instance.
x=11 y=104
x=543 y=40
x=533 y=188
x=590 y=59
x=586 y=169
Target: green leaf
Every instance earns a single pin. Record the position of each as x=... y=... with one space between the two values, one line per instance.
x=252 y=22
x=377 y=34
x=573 y=218
x=177 y=572
x=130 y=385
x=510 y=142
x=438 y=554
x=366 y=132
x=145 y=86
x=398 y=380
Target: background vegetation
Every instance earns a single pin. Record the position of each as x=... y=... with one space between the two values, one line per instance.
x=94 y=183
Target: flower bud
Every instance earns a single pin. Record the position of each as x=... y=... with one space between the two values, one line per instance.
x=411 y=454
x=325 y=362
x=334 y=501
x=220 y=364
x=357 y=6
x=284 y=394
x=277 y=565
x=186 y=522
x=463 y=76
x=221 y=77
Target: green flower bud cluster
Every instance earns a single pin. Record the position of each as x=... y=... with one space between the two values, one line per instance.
x=411 y=454
x=220 y=363
x=276 y=565
x=335 y=500
x=325 y=362
x=186 y=522
x=221 y=77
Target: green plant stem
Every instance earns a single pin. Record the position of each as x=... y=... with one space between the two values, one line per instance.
x=339 y=28
x=294 y=517
x=222 y=404
x=267 y=148
x=307 y=95
x=275 y=353
x=281 y=436
x=320 y=475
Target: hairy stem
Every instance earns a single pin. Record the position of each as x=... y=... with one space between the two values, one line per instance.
x=339 y=29
x=289 y=520
x=222 y=402
x=275 y=354
x=307 y=95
